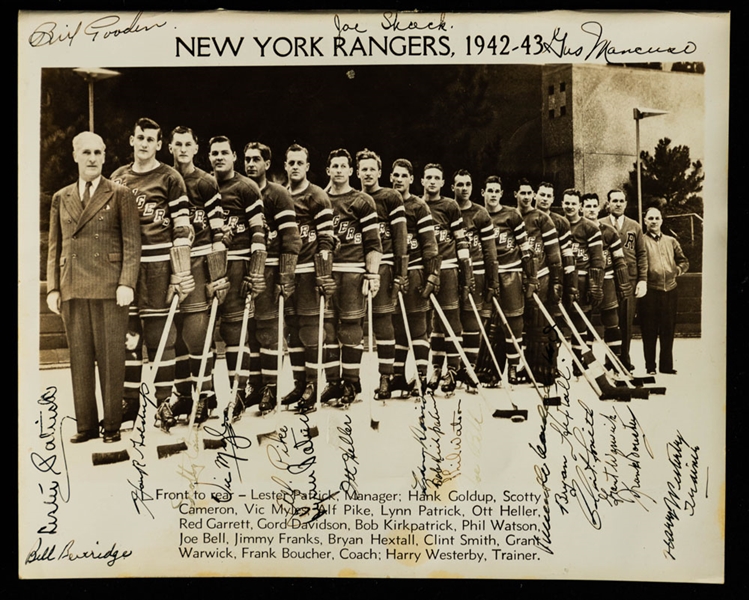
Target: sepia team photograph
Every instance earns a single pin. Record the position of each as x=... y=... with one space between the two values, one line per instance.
x=382 y=314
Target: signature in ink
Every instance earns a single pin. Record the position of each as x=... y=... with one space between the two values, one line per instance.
x=350 y=461
x=682 y=457
x=224 y=459
x=49 y=32
x=138 y=494
x=49 y=553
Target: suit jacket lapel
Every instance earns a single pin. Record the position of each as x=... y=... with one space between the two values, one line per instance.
x=73 y=204
x=101 y=196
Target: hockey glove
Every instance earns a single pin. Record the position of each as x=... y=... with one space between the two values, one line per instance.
x=467 y=281
x=623 y=284
x=492 y=282
x=595 y=285
x=324 y=274
x=254 y=281
x=181 y=281
x=286 y=276
x=400 y=274
x=555 y=284
x=432 y=270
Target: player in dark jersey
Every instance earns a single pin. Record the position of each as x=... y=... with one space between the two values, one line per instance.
x=243 y=212
x=483 y=250
x=314 y=276
x=356 y=264
x=544 y=245
x=616 y=283
x=207 y=220
x=423 y=279
x=517 y=269
x=544 y=200
x=166 y=236
x=456 y=276
x=283 y=244
x=588 y=252
x=393 y=266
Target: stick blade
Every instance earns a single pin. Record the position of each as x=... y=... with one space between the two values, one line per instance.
x=170 y=449
x=214 y=444
x=375 y=425
x=108 y=458
x=516 y=415
x=639 y=381
x=267 y=436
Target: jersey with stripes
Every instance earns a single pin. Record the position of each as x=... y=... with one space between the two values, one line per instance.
x=586 y=245
x=282 y=233
x=356 y=227
x=542 y=240
x=162 y=202
x=391 y=216
x=481 y=236
x=448 y=229
x=243 y=212
x=422 y=245
x=512 y=239
x=314 y=217
x=206 y=214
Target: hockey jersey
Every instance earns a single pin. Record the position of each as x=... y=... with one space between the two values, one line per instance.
x=356 y=227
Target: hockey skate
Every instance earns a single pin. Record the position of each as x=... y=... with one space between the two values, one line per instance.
x=464 y=378
x=294 y=395
x=450 y=382
x=164 y=418
x=399 y=387
x=181 y=409
x=237 y=409
x=350 y=390
x=383 y=391
x=517 y=375
x=332 y=391
x=434 y=380
x=201 y=412
x=253 y=395
x=306 y=403
x=268 y=401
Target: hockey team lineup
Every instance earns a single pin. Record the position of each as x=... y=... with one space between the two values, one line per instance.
x=435 y=328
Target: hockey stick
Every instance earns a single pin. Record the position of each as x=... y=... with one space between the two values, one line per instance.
x=458 y=347
x=170 y=449
x=592 y=379
x=516 y=415
x=608 y=391
x=273 y=434
x=103 y=458
x=546 y=400
x=370 y=334
x=629 y=379
x=407 y=329
x=229 y=410
x=313 y=429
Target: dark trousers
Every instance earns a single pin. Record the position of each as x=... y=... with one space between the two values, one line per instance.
x=96 y=332
x=626 y=318
x=658 y=321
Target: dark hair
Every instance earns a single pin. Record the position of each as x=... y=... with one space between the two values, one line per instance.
x=367 y=154
x=492 y=179
x=296 y=148
x=545 y=184
x=614 y=191
x=434 y=166
x=592 y=196
x=521 y=182
x=405 y=163
x=145 y=123
x=461 y=173
x=573 y=192
x=264 y=150
x=181 y=129
x=219 y=139
x=340 y=152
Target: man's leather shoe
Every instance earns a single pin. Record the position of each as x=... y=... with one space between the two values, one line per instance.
x=84 y=436
x=111 y=437
x=669 y=371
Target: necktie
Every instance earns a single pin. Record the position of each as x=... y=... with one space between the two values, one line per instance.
x=86 y=194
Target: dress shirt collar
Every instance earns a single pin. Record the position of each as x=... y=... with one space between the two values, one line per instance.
x=94 y=185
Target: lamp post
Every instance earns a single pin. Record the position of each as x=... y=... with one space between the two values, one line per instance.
x=89 y=76
x=639 y=114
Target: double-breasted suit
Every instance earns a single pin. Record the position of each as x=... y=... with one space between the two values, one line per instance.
x=92 y=251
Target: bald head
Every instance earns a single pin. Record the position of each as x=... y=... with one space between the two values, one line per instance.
x=88 y=152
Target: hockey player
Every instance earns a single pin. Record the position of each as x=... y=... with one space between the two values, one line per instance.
x=544 y=245
x=616 y=274
x=314 y=276
x=243 y=213
x=166 y=237
x=517 y=269
x=483 y=250
x=283 y=245
x=456 y=276
x=356 y=265
x=423 y=279
x=636 y=255
x=588 y=252
x=207 y=220
x=544 y=200
x=393 y=266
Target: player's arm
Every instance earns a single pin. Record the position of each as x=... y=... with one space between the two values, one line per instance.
x=399 y=233
x=488 y=237
x=179 y=211
x=641 y=255
x=290 y=243
x=365 y=211
x=530 y=274
x=131 y=237
x=322 y=213
x=214 y=213
x=553 y=253
x=462 y=247
x=682 y=264
x=596 y=263
x=253 y=209
x=429 y=250
x=568 y=263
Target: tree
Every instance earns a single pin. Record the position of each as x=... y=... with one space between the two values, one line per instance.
x=671 y=175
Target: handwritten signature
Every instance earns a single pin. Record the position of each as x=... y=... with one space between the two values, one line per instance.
x=49 y=553
x=50 y=32
x=682 y=457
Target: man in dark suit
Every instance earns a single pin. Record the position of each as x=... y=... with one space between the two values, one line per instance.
x=92 y=269
x=635 y=253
